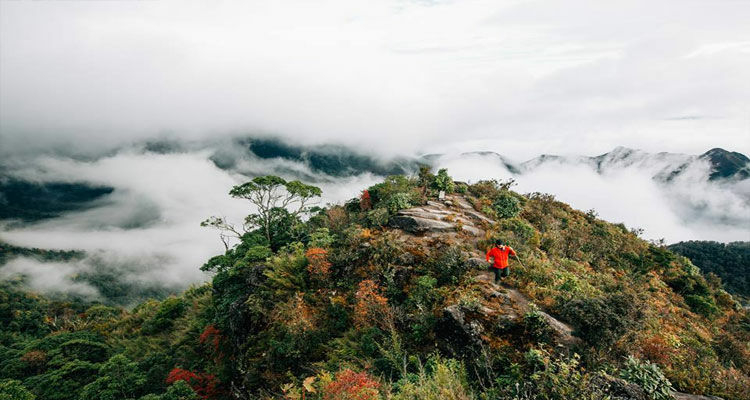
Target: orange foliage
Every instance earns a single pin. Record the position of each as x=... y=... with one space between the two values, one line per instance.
x=350 y=385
x=318 y=264
x=295 y=314
x=657 y=350
x=371 y=307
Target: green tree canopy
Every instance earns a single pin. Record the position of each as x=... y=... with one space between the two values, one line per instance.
x=270 y=195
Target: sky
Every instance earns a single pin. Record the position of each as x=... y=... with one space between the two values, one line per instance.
x=394 y=77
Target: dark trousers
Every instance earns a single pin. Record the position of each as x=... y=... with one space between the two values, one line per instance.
x=500 y=272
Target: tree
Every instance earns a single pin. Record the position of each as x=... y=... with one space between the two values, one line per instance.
x=119 y=378
x=270 y=195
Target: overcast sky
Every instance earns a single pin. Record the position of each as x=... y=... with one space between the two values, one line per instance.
x=517 y=77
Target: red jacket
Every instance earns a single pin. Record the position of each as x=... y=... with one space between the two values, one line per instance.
x=500 y=254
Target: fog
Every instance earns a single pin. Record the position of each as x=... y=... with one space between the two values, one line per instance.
x=520 y=77
x=150 y=225
x=688 y=208
x=148 y=232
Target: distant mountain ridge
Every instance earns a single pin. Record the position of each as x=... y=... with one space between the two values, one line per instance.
x=252 y=156
x=723 y=164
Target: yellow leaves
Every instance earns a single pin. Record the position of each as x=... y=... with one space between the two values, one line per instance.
x=307 y=384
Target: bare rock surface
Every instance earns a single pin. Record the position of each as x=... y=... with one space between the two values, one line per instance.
x=685 y=396
x=435 y=217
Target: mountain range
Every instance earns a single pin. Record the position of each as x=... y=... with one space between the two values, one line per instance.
x=34 y=199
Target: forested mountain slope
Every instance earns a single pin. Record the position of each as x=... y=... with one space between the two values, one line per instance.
x=387 y=297
x=728 y=261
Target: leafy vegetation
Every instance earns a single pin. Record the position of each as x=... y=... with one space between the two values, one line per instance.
x=730 y=262
x=333 y=304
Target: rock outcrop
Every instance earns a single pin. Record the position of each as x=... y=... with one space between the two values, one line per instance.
x=454 y=214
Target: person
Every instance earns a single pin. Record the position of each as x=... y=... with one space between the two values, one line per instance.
x=500 y=253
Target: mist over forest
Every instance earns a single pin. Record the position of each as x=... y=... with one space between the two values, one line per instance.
x=135 y=209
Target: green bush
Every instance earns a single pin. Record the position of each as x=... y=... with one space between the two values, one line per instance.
x=321 y=238
x=602 y=320
x=398 y=201
x=449 y=266
x=506 y=205
x=649 y=377
x=443 y=181
x=536 y=326
x=703 y=305
x=441 y=380
x=14 y=390
x=169 y=310
x=378 y=217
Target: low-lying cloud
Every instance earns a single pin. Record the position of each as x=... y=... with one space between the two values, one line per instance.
x=146 y=233
x=150 y=225
x=687 y=208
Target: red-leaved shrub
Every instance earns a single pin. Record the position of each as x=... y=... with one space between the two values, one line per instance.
x=350 y=385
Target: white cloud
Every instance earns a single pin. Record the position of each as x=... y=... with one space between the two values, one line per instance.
x=688 y=208
x=149 y=227
x=395 y=77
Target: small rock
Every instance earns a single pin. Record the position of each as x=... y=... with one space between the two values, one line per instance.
x=441 y=195
x=476 y=262
x=617 y=388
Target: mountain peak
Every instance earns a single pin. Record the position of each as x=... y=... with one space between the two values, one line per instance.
x=727 y=164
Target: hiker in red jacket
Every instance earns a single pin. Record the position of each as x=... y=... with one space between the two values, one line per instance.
x=500 y=253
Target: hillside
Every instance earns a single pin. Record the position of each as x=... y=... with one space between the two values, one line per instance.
x=388 y=297
x=729 y=261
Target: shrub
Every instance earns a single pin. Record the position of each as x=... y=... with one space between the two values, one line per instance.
x=703 y=305
x=649 y=377
x=256 y=254
x=443 y=181
x=321 y=237
x=441 y=380
x=398 y=201
x=350 y=385
x=546 y=377
x=536 y=326
x=383 y=191
x=506 y=205
x=169 y=310
x=449 y=266
x=205 y=385
x=318 y=265
x=378 y=217
x=602 y=320
x=371 y=306
x=365 y=201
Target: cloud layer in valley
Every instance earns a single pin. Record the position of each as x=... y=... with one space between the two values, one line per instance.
x=149 y=225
